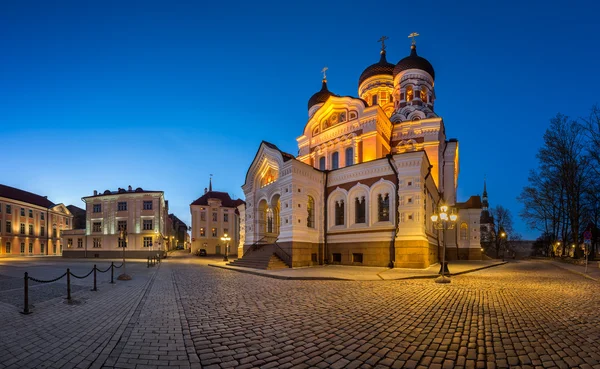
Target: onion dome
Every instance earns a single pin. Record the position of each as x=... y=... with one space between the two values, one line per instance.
x=321 y=96
x=377 y=69
x=414 y=61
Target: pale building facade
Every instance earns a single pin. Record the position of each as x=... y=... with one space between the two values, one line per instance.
x=30 y=224
x=142 y=214
x=215 y=215
x=370 y=172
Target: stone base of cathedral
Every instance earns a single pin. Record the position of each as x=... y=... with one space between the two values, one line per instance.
x=415 y=254
x=452 y=253
x=303 y=253
x=375 y=253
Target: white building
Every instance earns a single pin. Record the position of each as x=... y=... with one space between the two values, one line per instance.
x=142 y=214
x=369 y=173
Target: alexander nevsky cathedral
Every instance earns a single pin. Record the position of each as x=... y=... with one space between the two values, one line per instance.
x=370 y=172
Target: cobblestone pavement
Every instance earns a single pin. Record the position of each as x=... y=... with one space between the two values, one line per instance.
x=183 y=314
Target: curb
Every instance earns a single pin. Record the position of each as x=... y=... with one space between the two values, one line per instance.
x=428 y=276
x=574 y=271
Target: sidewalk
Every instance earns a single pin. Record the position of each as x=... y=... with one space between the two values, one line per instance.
x=593 y=269
x=360 y=273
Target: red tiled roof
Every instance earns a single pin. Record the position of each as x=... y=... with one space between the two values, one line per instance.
x=24 y=196
x=226 y=200
x=474 y=202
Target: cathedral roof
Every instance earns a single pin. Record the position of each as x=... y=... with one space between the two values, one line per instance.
x=474 y=202
x=321 y=96
x=380 y=68
x=414 y=61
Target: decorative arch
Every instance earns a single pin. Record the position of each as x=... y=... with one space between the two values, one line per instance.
x=383 y=191
x=358 y=199
x=338 y=197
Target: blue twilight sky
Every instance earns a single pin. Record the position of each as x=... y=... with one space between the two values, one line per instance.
x=160 y=94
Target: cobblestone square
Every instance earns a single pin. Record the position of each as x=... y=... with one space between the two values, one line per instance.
x=185 y=314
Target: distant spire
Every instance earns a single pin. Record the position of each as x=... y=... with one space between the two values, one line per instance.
x=210 y=183
x=484 y=187
x=484 y=204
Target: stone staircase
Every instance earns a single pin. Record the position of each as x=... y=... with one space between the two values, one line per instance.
x=263 y=257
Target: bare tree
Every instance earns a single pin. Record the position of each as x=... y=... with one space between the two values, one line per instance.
x=503 y=229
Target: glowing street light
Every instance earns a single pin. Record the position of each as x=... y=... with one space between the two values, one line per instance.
x=226 y=238
x=444 y=220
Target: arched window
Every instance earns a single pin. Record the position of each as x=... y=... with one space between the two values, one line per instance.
x=360 y=211
x=374 y=100
x=310 y=208
x=383 y=207
x=269 y=220
x=322 y=163
x=464 y=231
x=409 y=93
x=339 y=212
x=424 y=94
x=335 y=160
x=349 y=156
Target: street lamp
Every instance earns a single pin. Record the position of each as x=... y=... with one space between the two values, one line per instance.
x=123 y=236
x=503 y=238
x=444 y=220
x=225 y=238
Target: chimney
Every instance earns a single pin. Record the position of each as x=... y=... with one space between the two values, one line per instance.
x=95 y=192
x=130 y=188
x=205 y=190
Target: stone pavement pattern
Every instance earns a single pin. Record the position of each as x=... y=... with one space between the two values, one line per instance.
x=523 y=314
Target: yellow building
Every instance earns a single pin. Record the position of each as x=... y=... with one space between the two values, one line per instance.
x=31 y=225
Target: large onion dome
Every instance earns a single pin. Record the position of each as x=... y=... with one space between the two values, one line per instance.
x=377 y=69
x=414 y=61
x=321 y=96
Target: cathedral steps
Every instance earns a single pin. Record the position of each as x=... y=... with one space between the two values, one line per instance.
x=263 y=258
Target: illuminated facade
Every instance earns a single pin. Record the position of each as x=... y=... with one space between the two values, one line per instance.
x=31 y=224
x=215 y=214
x=142 y=214
x=368 y=175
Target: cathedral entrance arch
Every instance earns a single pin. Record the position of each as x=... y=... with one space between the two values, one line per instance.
x=273 y=221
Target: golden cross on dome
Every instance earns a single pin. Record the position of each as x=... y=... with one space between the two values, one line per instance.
x=413 y=35
x=324 y=71
x=382 y=40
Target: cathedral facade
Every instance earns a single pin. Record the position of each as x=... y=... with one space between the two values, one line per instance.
x=369 y=173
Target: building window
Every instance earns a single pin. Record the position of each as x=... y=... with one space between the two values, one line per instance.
x=122 y=206
x=269 y=220
x=22 y=230
x=357 y=258
x=424 y=94
x=8 y=209
x=214 y=217
x=31 y=229
x=97 y=227
x=225 y=231
x=22 y=212
x=67 y=221
x=97 y=242
x=322 y=163
x=42 y=248
x=464 y=231
x=97 y=208
x=54 y=233
x=335 y=160
x=409 y=93
x=202 y=232
x=122 y=225
x=30 y=247
x=202 y=216
x=383 y=207
x=30 y=213
x=336 y=258
x=339 y=212
x=226 y=217
x=360 y=210
x=7 y=248
x=122 y=242
x=349 y=156
x=310 y=208
x=22 y=247
x=147 y=241
x=214 y=232
x=42 y=216
x=8 y=226
x=69 y=243
x=42 y=231
x=147 y=205
x=79 y=243
x=54 y=248
x=147 y=224
x=374 y=100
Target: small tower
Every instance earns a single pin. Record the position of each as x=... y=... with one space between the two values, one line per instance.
x=319 y=98
x=376 y=82
x=486 y=221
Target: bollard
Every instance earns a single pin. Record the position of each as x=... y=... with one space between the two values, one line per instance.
x=68 y=284
x=95 y=278
x=26 y=295
x=112 y=272
x=148 y=266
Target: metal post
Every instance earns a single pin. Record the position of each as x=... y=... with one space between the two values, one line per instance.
x=26 y=295
x=95 y=278
x=112 y=272
x=69 y=284
x=586 y=256
x=148 y=265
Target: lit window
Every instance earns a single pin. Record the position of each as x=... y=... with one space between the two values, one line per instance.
x=147 y=241
x=464 y=228
x=424 y=94
x=202 y=232
x=409 y=93
x=310 y=208
x=214 y=232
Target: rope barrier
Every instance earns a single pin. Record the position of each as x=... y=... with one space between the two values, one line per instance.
x=119 y=266
x=49 y=281
x=104 y=271
x=85 y=276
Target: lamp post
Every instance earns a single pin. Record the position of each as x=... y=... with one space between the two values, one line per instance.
x=444 y=220
x=123 y=236
x=226 y=238
x=503 y=243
